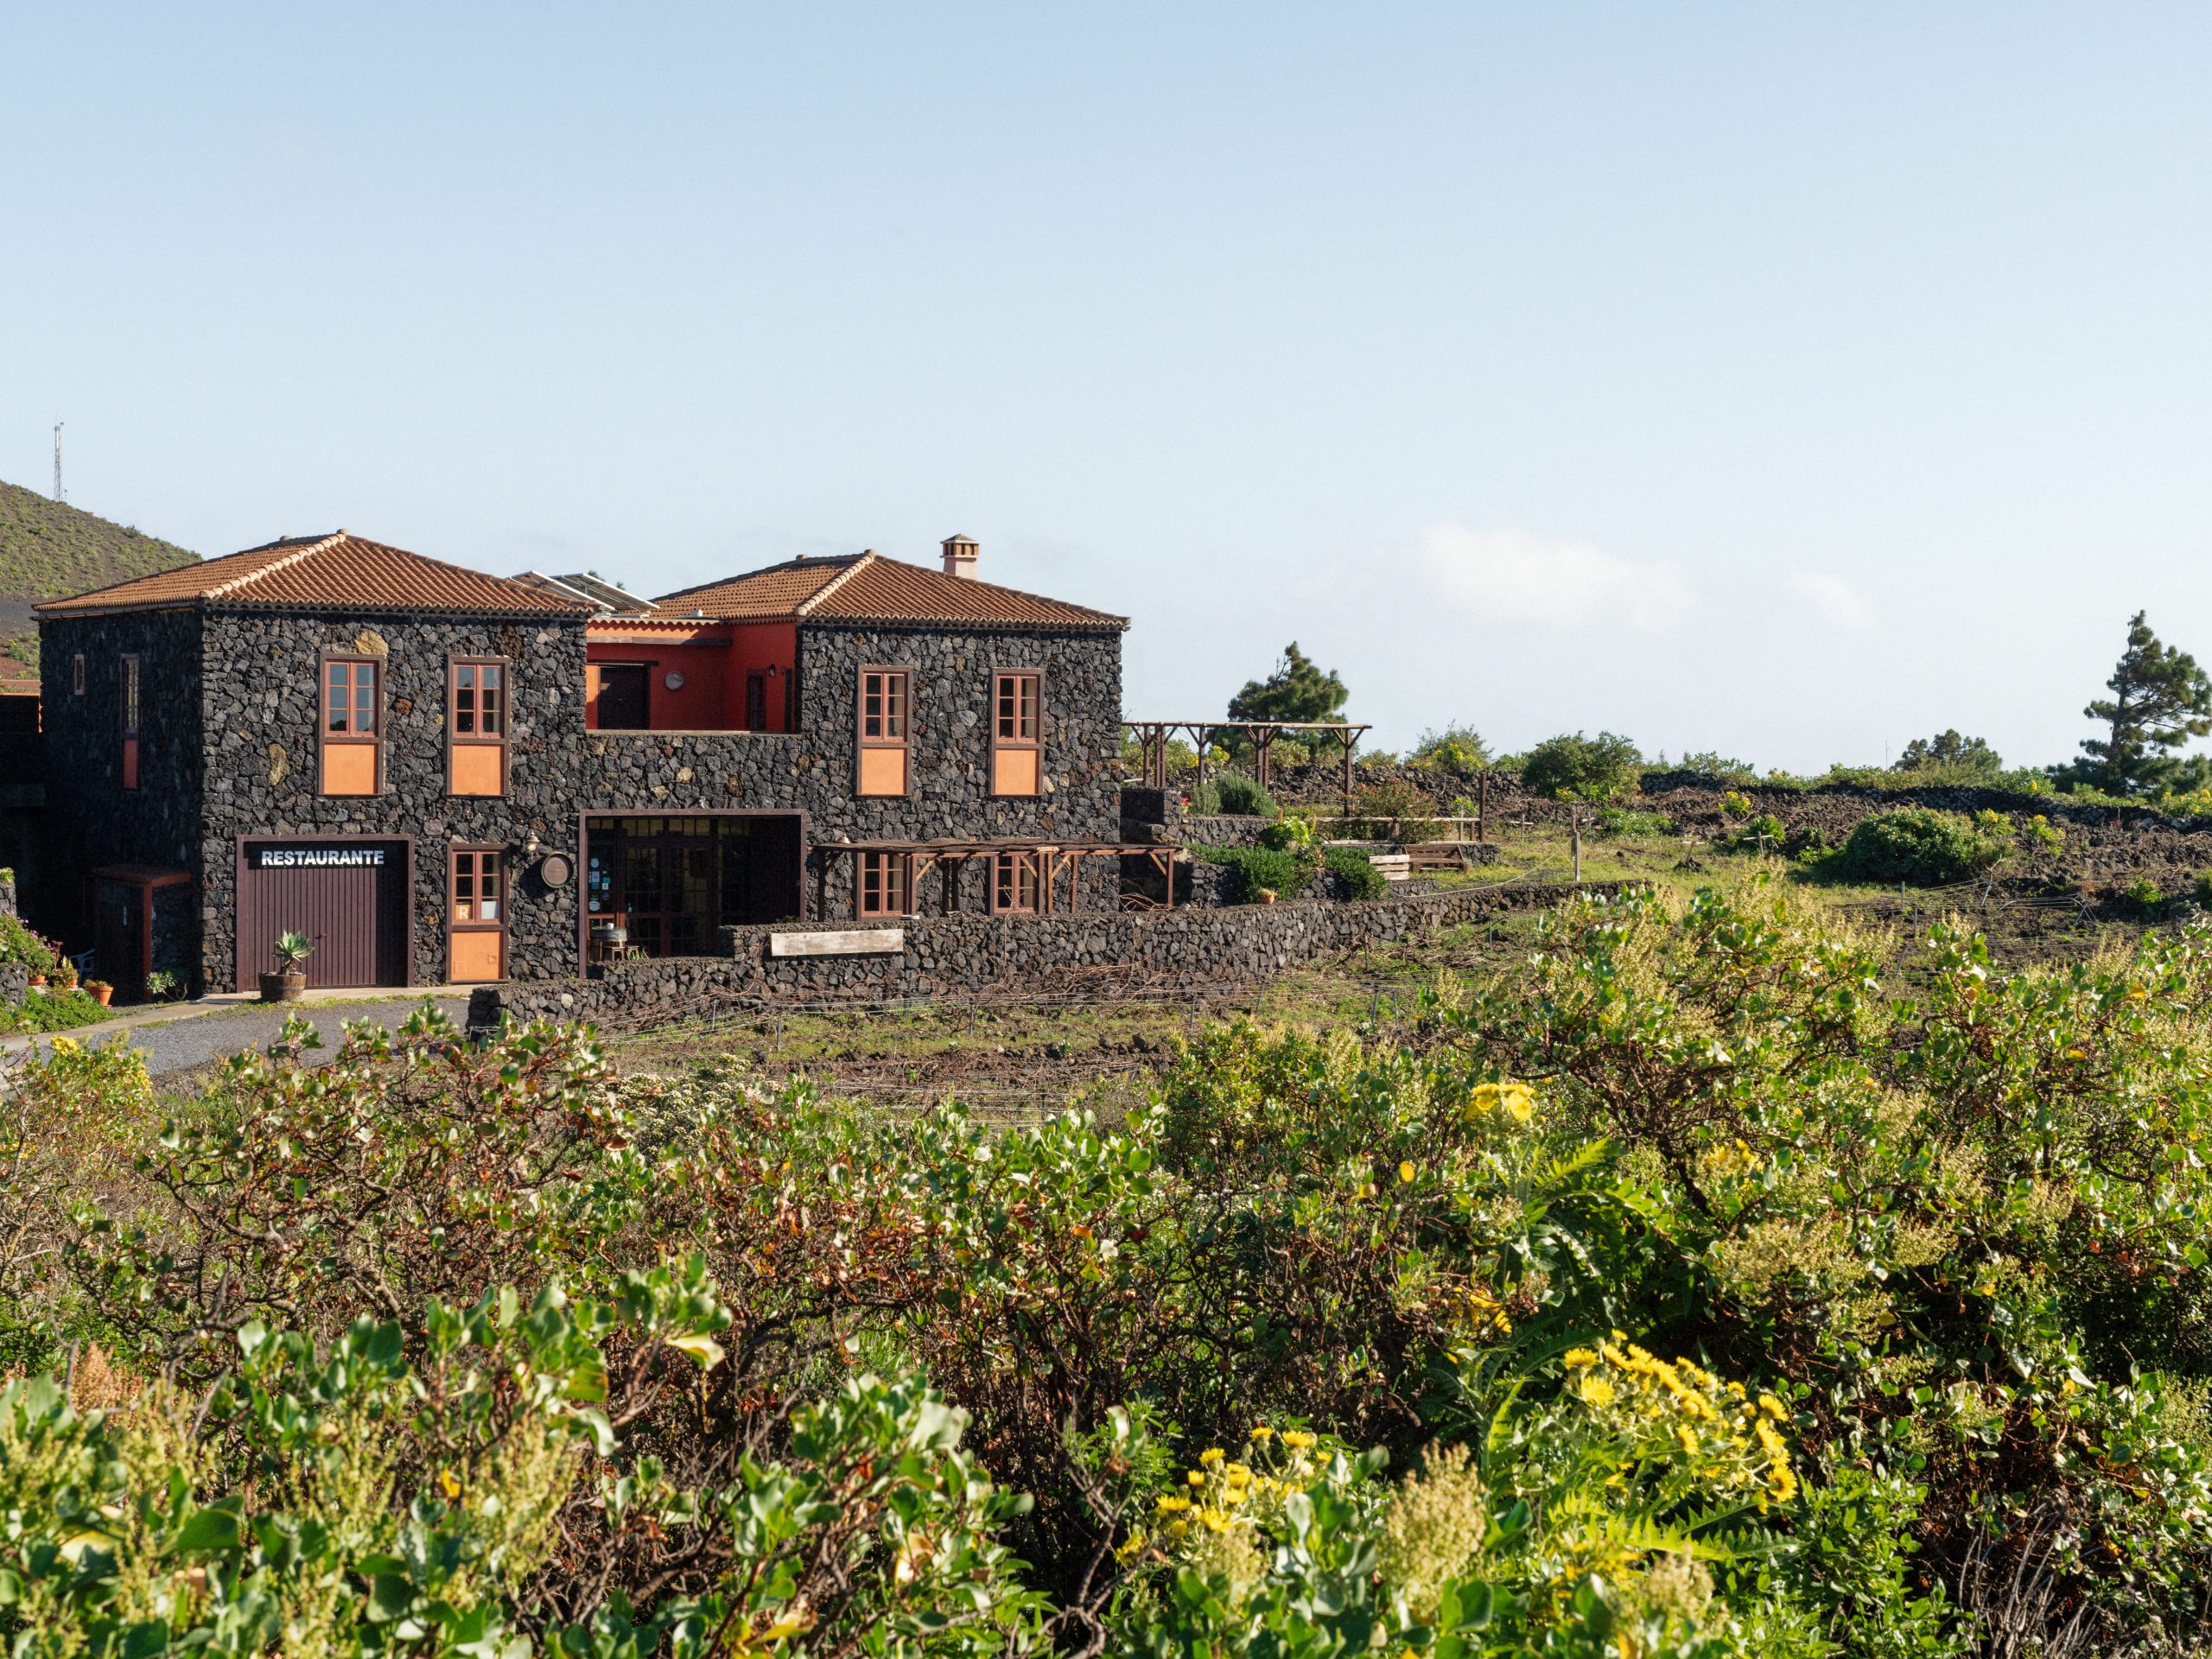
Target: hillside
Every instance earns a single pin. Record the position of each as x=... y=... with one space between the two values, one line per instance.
x=49 y=549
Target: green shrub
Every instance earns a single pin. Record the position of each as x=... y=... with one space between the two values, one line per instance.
x=2143 y=896
x=1456 y=748
x=1626 y=821
x=1283 y=874
x=1734 y=803
x=1233 y=795
x=1357 y=870
x=1391 y=810
x=1574 y=767
x=1707 y=763
x=2200 y=889
x=1917 y=847
x=1287 y=835
x=54 y=1011
x=20 y=943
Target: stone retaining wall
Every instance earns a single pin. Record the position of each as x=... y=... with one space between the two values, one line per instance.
x=968 y=955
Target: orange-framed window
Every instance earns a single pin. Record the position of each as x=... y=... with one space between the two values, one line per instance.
x=476 y=725
x=887 y=884
x=130 y=722
x=476 y=925
x=1014 y=884
x=885 y=724
x=353 y=733
x=1017 y=733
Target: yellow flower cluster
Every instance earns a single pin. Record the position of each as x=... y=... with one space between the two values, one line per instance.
x=1515 y=1100
x=1663 y=1405
x=1219 y=1493
x=1485 y=1314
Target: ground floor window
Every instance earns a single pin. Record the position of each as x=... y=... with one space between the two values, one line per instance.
x=664 y=885
x=1014 y=883
x=886 y=883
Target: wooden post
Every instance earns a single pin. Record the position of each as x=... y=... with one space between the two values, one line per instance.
x=1482 y=807
x=1574 y=818
x=1349 y=738
x=1263 y=743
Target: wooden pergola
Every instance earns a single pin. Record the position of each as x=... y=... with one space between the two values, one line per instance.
x=1049 y=858
x=1152 y=735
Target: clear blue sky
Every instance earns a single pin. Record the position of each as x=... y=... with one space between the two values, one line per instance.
x=1786 y=380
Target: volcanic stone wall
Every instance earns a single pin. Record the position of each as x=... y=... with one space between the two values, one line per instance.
x=963 y=956
x=950 y=755
x=92 y=819
x=260 y=701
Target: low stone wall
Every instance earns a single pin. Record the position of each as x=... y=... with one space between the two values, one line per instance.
x=970 y=955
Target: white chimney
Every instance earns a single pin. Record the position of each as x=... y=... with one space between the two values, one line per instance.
x=960 y=553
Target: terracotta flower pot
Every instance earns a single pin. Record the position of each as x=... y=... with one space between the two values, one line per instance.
x=103 y=995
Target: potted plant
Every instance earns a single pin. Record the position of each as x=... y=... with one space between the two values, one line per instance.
x=64 y=977
x=99 y=990
x=289 y=982
x=1268 y=895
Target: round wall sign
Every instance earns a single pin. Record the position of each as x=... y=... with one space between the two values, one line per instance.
x=673 y=680
x=556 y=869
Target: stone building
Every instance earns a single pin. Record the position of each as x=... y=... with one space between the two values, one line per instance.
x=444 y=776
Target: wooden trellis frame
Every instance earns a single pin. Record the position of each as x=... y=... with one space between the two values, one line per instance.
x=1153 y=736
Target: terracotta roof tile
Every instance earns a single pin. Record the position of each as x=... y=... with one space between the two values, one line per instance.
x=340 y=571
x=867 y=587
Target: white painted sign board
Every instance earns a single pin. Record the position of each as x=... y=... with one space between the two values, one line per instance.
x=850 y=942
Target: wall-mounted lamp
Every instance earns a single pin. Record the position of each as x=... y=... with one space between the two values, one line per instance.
x=532 y=845
x=771 y=671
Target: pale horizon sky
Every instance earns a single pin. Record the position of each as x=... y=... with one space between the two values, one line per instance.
x=1785 y=381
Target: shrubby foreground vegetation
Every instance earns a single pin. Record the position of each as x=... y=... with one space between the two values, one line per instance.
x=1726 y=1282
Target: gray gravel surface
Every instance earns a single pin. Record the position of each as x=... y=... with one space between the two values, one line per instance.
x=182 y=1044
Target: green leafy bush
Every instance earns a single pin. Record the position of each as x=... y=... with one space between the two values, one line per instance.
x=1918 y=847
x=2143 y=896
x=1456 y=748
x=1806 y=1277
x=1233 y=795
x=1576 y=767
x=1392 y=810
x=53 y=1011
x=1363 y=880
x=1626 y=821
x=1283 y=874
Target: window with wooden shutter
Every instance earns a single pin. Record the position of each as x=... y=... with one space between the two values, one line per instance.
x=1017 y=733
x=476 y=726
x=883 y=731
x=353 y=730
x=887 y=880
x=476 y=926
x=130 y=722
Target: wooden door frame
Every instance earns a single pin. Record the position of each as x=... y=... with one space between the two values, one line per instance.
x=506 y=880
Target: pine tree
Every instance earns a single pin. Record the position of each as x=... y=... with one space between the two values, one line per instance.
x=2160 y=700
x=1296 y=691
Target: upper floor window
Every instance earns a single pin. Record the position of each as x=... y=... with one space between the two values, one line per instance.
x=77 y=675
x=887 y=882
x=1017 y=748
x=130 y=722
x=476 y=726
x=352 y=729
x=883 y=727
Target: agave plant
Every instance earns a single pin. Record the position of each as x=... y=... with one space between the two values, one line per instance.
x=292 y=950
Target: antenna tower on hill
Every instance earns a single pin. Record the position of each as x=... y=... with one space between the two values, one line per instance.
x=57 y=463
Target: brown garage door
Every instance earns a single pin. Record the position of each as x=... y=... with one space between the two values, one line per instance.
x=348 y=897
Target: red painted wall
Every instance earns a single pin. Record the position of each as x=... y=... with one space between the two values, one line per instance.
x=713 y=661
